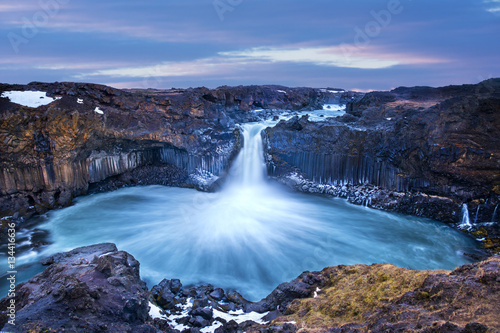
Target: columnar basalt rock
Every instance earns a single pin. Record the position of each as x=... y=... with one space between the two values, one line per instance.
x=422 y=151
x=426 y=151
x=94 y=133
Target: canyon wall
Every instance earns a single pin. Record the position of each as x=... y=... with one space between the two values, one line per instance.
x=96 y=136
x=422 y=151
x=415 y=146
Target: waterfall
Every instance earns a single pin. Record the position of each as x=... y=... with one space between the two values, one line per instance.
x=250 y=236
x=494 y=214
x=249 y=168
x=465 y=218
x=477 y=214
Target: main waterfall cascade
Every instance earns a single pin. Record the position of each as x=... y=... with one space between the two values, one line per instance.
x=250 y=236
x=249 y=168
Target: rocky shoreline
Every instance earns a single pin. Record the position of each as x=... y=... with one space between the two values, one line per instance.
x=429 y=152
x=98 y=289
x=439 y=208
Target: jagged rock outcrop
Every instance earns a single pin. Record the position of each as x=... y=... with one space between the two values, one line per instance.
x=90 y=289
x=93 y=133
x=98 y=289
x=418 y=148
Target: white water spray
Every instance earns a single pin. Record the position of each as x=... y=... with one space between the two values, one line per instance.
x=251 y=236
x=465 y=218
x=249 y=169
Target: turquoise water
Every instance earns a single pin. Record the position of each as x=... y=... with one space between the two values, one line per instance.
x=251 y=236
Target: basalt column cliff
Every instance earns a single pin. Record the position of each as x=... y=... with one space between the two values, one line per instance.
x=94 y=133
x=421 y=151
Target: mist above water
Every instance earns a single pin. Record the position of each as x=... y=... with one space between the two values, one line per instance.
x=250 y=236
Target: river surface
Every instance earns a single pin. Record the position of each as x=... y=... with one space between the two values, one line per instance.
x=250 y=236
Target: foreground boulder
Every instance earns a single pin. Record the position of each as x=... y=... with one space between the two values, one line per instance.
x=90 y=289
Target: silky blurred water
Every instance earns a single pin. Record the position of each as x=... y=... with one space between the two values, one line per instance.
x=251 y=236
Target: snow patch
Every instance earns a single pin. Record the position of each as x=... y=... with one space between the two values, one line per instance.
x=332 y=91
x=203 y=177
x=240 y=316
x=79 y=100
x=171 y=318
x=97 y=110
x=32 y=99
x=211 y=329
x=156 y=312
x=316 y=292
x=105 y=254
x=282 y=91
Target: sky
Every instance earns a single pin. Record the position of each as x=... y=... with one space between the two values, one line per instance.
x=351 y=44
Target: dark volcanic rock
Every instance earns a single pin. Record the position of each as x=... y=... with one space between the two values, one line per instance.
x=89 y=289
x=53 y=153
x=430 y=149
x=281 y=297
x=218 y=294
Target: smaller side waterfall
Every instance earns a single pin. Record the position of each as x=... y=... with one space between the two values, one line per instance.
x=465 y=218
x=477 y=214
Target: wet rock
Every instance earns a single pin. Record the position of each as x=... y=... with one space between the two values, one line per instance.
x=286 y=292
x=198 y=321
x=236 y=298
x=175 y=286
x=229 y=327
x=201 y=302
x=475 y=328
x=218 y=294
x=167 y=294
x=284 y=328
x=166 y=300
x=205 y=313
